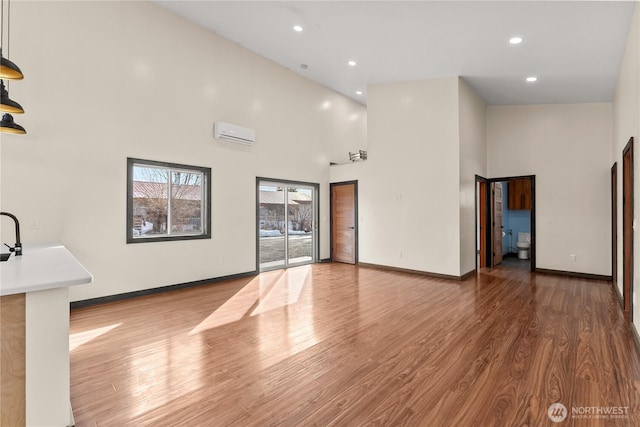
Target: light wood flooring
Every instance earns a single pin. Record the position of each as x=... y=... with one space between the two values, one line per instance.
x=334 y=344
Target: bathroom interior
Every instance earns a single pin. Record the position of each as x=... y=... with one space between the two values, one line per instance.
x=516 y=222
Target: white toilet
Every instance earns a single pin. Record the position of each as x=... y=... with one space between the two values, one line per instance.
x=523 y=245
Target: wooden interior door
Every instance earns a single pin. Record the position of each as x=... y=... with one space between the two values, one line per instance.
x=343 y=222
x=627 y=228
x=496 y=195
x=614 y=224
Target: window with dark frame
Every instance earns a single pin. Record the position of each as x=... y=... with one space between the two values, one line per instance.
x=167 y=201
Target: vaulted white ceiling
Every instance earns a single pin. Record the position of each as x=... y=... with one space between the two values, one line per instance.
x=573 y=47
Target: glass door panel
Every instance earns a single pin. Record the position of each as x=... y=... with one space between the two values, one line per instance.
x=272 y=230
x=300 y=233
x=287 y=216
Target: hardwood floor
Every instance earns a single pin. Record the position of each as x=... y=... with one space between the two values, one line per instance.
x=336 y=344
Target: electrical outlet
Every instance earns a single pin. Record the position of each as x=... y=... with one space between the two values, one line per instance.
x=572 y=257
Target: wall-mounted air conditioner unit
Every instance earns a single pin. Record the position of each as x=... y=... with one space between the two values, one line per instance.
x=234 y=133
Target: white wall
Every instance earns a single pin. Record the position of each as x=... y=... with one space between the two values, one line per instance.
x=567 y=148
x=626 y=113
x=109 y=80
x=426 y=143
x=409 y=186
x=473 y=161
x=346 y=172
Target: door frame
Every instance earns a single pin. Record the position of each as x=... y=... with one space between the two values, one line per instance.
x=482 y=212
x=315 y=227
x=489 y=219
x=627 y=228
x=614 y=224
x=355 y=214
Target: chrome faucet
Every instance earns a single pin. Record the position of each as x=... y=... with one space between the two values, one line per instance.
x=18 y=247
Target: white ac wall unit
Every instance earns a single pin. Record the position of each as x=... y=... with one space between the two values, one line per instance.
x=234 y=133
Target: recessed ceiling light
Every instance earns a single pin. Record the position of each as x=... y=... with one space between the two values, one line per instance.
x=304 y=66
x=516 y=40
x=297 y=28
x=358 y=92
x=532 y=79
x=352 y=63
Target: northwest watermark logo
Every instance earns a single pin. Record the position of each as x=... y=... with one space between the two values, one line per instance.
x=557 y=412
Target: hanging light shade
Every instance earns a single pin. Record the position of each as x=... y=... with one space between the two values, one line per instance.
x=6 y=104
x=9 y=126
x=9 y=70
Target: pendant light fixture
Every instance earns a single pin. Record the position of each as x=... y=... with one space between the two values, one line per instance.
x=8 y=105
x=9 y=126
x=8 y=70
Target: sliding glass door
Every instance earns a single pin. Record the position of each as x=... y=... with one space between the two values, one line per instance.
x=287 y=217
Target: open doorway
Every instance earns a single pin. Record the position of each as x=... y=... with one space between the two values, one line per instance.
x=505 y=218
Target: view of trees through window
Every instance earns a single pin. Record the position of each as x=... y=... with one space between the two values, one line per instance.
x=300 y=210
x=167 y=201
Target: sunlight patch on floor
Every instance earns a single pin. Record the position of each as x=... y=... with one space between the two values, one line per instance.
x=286 y=332
x=236 y=307
x=286 y=290
x=165 y=371
x=79 y=338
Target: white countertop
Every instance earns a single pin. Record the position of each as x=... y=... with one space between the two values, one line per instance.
x=41 y=267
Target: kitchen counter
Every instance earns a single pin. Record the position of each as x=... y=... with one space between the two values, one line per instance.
x=41 y=267
x=34 y=325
